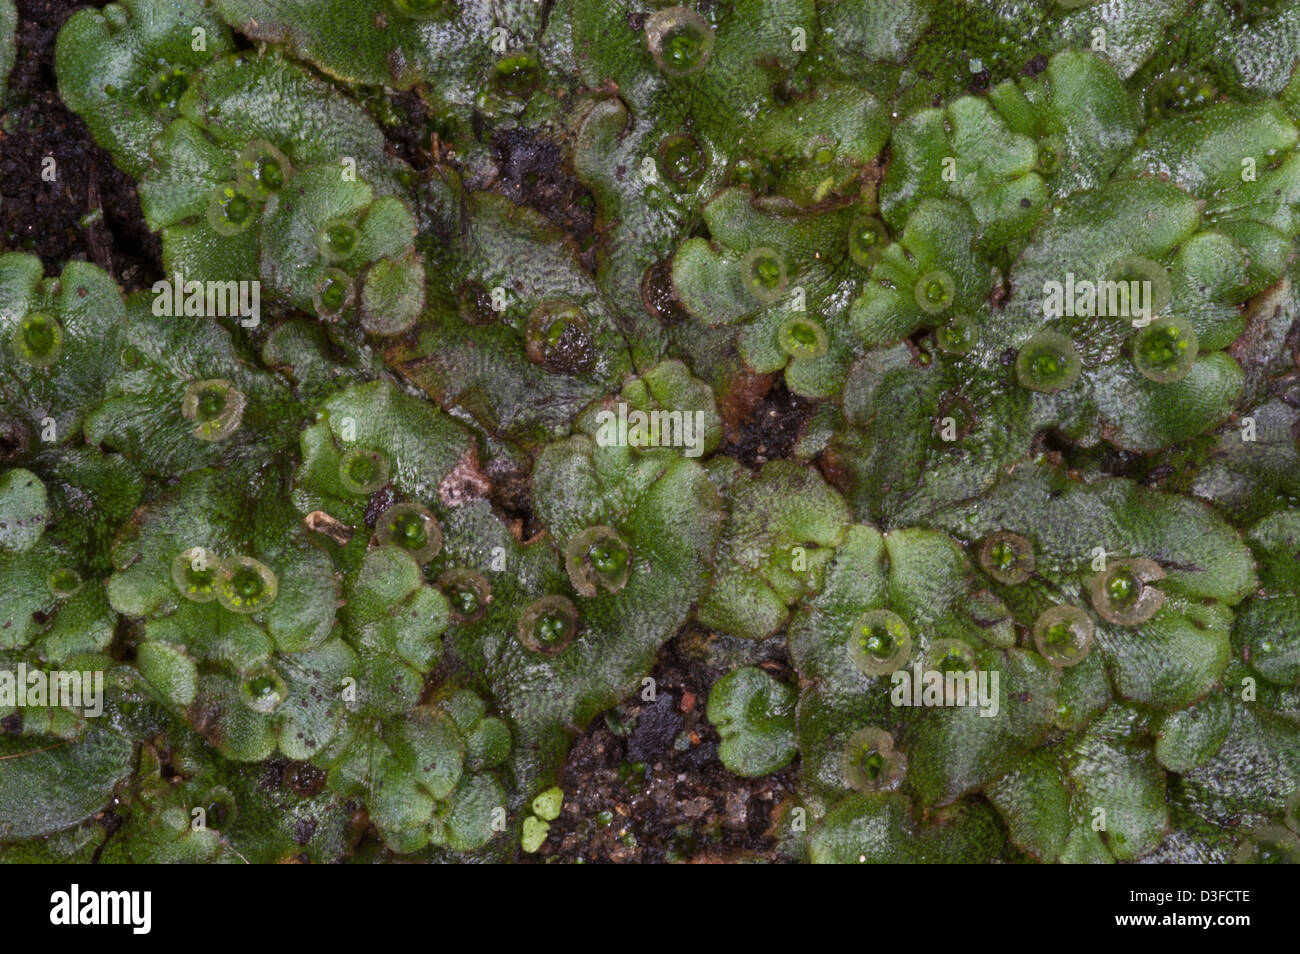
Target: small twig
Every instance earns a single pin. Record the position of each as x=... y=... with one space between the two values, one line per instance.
x=94 y=235
x=18 y=755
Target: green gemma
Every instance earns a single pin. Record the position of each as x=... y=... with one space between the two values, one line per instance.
x=1125 y=593
x=870 y=762
x=803 y=339
x=246 y=585
x=764 y=273
x=215 y=406
x=548 y=625
x=1165 y=350
x=468 y=594
x=1007 y=557
x=412 y=528
x=680 y=41
x=37 y=340
x=598 y=559
x=880 y=642
x=1048 y=362
x=1063 y=635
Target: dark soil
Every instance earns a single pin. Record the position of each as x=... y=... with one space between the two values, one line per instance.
x=534 y=171
x=644 y=784
x=771 y=429
x=410 y=137
x=512 y=495
x=90 y=212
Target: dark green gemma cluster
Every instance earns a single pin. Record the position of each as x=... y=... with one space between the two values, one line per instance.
x=427 y=443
